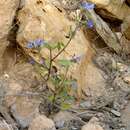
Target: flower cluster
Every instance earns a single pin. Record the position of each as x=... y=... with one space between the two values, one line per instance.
x=35 y=43
x=90 y=24
x=88 y=6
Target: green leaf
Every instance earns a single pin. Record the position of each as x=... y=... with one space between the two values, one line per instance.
x=65 y=63
x=51 y=98
x=65 y=106
x=47 y=63
x=60 y=45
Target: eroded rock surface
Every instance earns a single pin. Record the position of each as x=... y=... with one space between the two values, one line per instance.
x=7 y=13
x=42 y=123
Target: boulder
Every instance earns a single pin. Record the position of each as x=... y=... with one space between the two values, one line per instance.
x=24 y=110
x=5 y=126
x=7 y=13
x=42 y=20
x=116 y=8
x=62 y=118
x=94 y=83
x=93 y=124
x=41 y=122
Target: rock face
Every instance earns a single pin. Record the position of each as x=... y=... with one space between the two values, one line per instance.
x=92 y=125
x=126 y=27
x=94 y=82
x=5 y=126
x=24 y=110
x=126 y=117
x=19 y=80
x=62 y=118
x=7 y=13
x=44 y=21
x=42 y=123
x=117 y=8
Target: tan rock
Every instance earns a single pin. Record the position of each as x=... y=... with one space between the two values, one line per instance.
x=127 y=79
x=92 y=125
x=7 y=13
x=5 y=126
x=14 y=89
x=45 y=21
x=21 y=78
x=24 y=110
x=42 y=123
x=126 y=27
x=62 y=118
x=94 y=83
x=117 y=8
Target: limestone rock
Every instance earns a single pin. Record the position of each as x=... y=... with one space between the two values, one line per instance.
x=5 y=126
x=127 y=79
x=62 y=118
x=7 y=13
x=93 y=124
x=42 y=123
x=20 y=80
x=125 y=116
x=117 y=8
x=44 y=21
x=95 y=82
x=14 y=88
x=126 y=27
x=24 y=110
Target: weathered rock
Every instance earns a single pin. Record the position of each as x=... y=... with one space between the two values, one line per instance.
x=126 y=27
x=7 y=13
x=42 y=123
x=24 y=110
x=125 y=116
x=25 y=75
x=127 y=79
x=19 y=80
x=117 y=8
x=5 y=126
x=44 y=21
x=94 y=84
x=14 y=88
x=93 y=124
x=62 y=118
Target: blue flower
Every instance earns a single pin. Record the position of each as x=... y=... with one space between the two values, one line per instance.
x=76 y=59
x=39 y=42
x=30 y=45
x=31 y=61
x=90 y=24
x=36 y=43
x=88 y=5
x=42 y=61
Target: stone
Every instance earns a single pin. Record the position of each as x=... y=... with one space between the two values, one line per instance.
x=116 y=8
x=116 y=113
x=5 y=126
x=7 y=13
x=127 y=79
x=126 y=116
x=41 y=122
x=14 y=88
x=94 y=83
x=24 y=110
x=44 y=21
x=126 y=27
x=93 y=124
x=25 y=75
x=62 y=118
